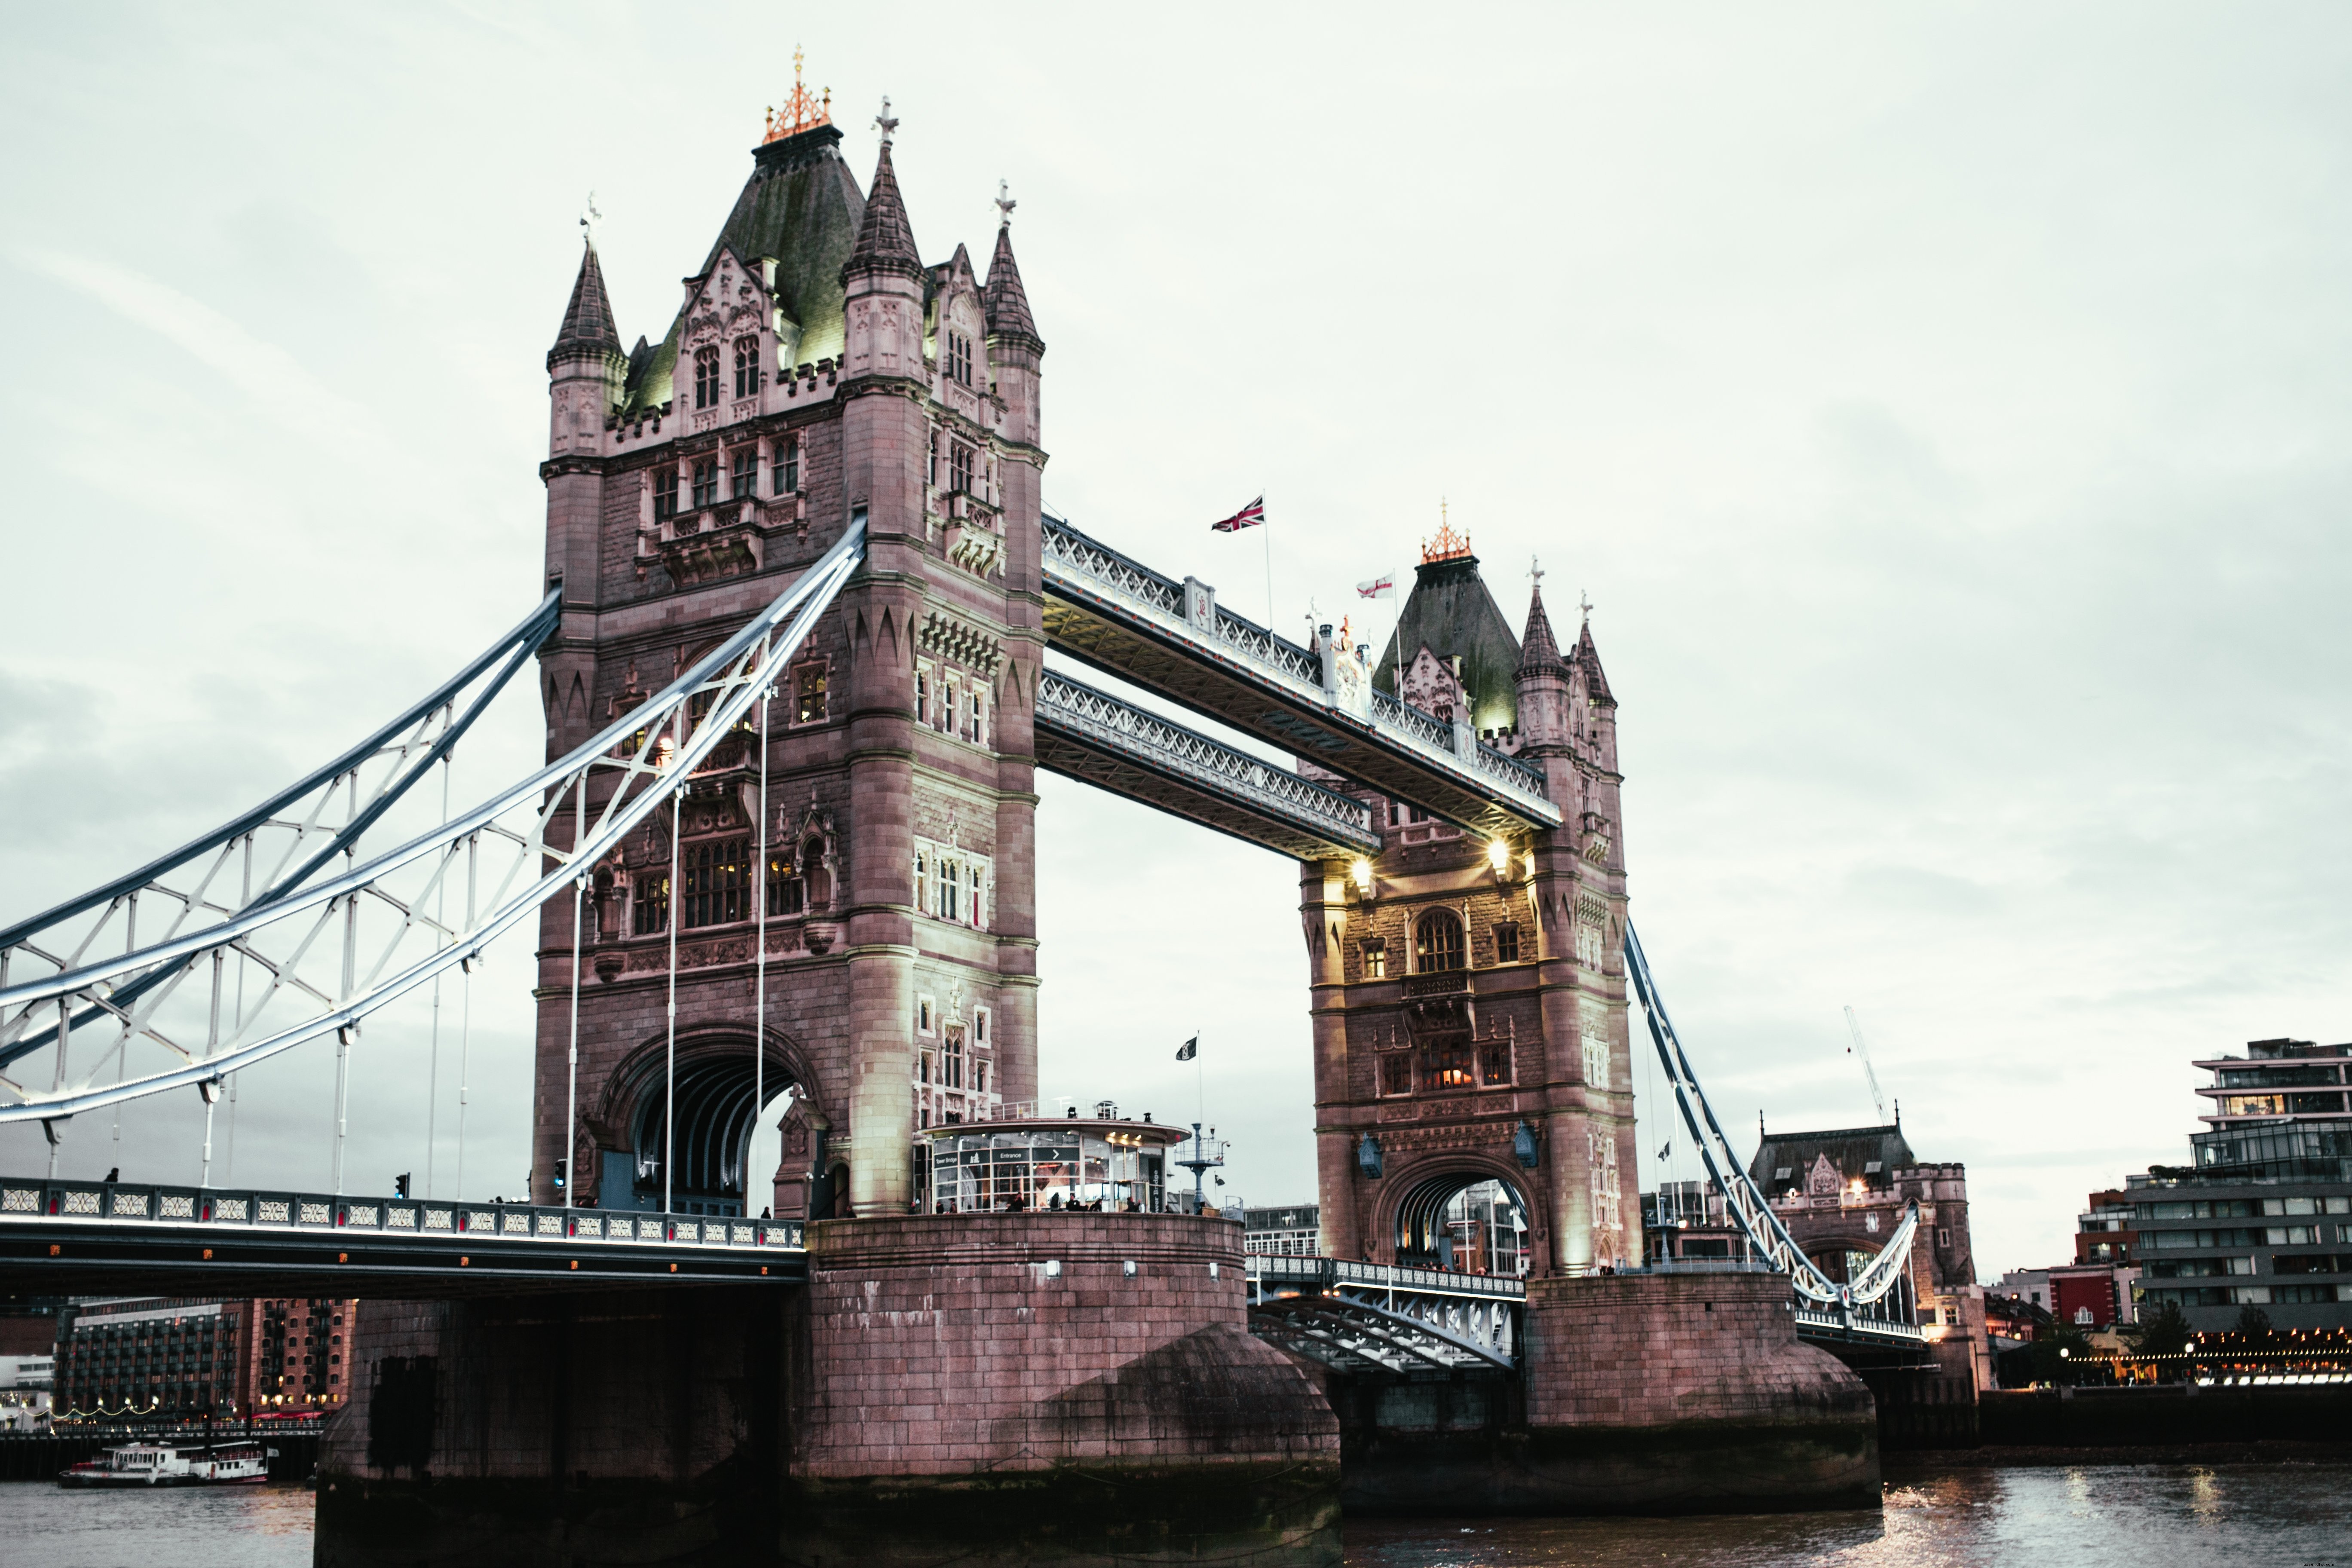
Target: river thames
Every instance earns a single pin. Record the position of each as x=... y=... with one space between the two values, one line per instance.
x=2291 y=1515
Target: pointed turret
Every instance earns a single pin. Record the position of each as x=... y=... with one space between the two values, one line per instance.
x=885 y=240
x=1007 y=301
x=588 y=321
x=1588 y=659
x=1539 y=649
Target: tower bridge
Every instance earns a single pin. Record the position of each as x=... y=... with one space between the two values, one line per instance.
x=801 y=589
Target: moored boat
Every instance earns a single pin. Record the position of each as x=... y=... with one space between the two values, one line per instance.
x=164 y=1463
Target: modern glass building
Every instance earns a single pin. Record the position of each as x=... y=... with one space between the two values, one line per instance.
x=2262 y=1215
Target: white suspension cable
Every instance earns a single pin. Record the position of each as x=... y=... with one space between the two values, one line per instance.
x=669 y=1090
x=440 y=940
x=572 y=1087
x=760 y=965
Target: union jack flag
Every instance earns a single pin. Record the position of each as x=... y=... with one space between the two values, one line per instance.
x=1249 y=516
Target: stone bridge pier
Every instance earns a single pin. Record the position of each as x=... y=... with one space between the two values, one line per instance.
x=986 y=1389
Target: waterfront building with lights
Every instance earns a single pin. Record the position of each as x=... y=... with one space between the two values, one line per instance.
x=172 y=1357
x=2262 y=1216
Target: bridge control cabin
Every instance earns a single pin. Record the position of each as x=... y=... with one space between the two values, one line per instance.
x=1049 y=1163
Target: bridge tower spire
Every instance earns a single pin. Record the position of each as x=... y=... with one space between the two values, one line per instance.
x=817 y=372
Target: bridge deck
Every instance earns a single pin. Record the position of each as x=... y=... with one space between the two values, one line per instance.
x=1095 y=738
x=76 y=1238
x=1172 y=639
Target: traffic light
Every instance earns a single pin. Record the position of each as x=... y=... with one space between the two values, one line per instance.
x=561 y=1166
x=400 y=1186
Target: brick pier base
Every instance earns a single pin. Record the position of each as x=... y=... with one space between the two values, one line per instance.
x=1642 y=1394
x=984 y=1390
x=1015 y=1388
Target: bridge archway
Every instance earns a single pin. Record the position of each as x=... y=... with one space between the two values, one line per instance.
x=1469 y=1216
x=712 y=1124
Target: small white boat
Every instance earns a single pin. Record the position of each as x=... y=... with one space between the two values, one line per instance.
x=171 y=1465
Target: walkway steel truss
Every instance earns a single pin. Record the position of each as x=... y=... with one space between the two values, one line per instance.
x=1173 y=640
x=1093 y=737
x=332 y=950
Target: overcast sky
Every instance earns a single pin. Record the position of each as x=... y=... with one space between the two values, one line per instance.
x=1943 y=407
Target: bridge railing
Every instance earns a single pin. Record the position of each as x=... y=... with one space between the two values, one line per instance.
x=322 y=1214
x=1332 y=1273
x=1107 y=575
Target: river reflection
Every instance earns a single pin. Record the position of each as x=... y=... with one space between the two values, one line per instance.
x=2091 y=1516
x=2130 y=1516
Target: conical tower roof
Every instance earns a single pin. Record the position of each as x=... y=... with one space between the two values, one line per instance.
x=1006 y=301
x=1588 y=658
x=885 y=240
x=588 y=320
x=1539 y=649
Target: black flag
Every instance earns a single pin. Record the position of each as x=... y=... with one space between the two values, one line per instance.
x=1188 y=1050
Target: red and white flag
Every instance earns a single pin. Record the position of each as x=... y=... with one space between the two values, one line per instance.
x=1249 y=516
x=1380 y=587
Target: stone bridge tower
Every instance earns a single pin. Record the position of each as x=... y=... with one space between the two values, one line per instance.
x=817 y=369
x=1469 y=995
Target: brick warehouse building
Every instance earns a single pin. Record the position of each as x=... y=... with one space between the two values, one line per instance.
x=816 y=368
x=187 y=1356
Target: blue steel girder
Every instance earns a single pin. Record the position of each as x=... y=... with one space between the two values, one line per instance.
x=1125 y=620
x=1093 y=737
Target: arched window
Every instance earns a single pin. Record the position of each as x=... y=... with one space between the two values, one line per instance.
x=706 y=376
x=1437 y=942
x=747 y=366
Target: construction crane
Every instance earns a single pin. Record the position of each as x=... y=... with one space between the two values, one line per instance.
x=1859 y=1050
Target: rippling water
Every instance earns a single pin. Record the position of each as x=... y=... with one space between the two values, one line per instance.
x=2143 y=1516
x=2131 y=1516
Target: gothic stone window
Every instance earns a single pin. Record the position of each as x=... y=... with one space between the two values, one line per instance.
x=1507 y=942
x=1376 y=960
x=959 y=359
x=1445 y=1065
x=714 y=887
x=787 y=893
x=1396 y=1073
x=1437 y=943
x=931 y=464
x=1494 y=1063
x=1596 y=1061
x=665 y=495
x=951 y=884
x=747 y=366
x=747 y=474
x=788 y=466
x=649 y=905
x=975 y=718
x=959 y=467
x=706 y=481
x=952 y=1057
x=706 y=376
x=809 y=693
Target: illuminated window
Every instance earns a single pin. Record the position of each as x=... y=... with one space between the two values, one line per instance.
x=747 y=366
x=706 y=376
x=1376 y=960
x=808 y=694
x=1437 y=946
x=649 y=906
x=787 y=894
x=747 y=474
x=665 y=495
x=1446 y=1066
x=1507 y=942
x=1494 y=1062
x=788 y=467
x=714 y=888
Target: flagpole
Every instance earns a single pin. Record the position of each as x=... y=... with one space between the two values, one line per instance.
x=1269 y=575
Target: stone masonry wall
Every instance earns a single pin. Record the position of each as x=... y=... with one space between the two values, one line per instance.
x=963 y=1344
x=1656 y=1349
